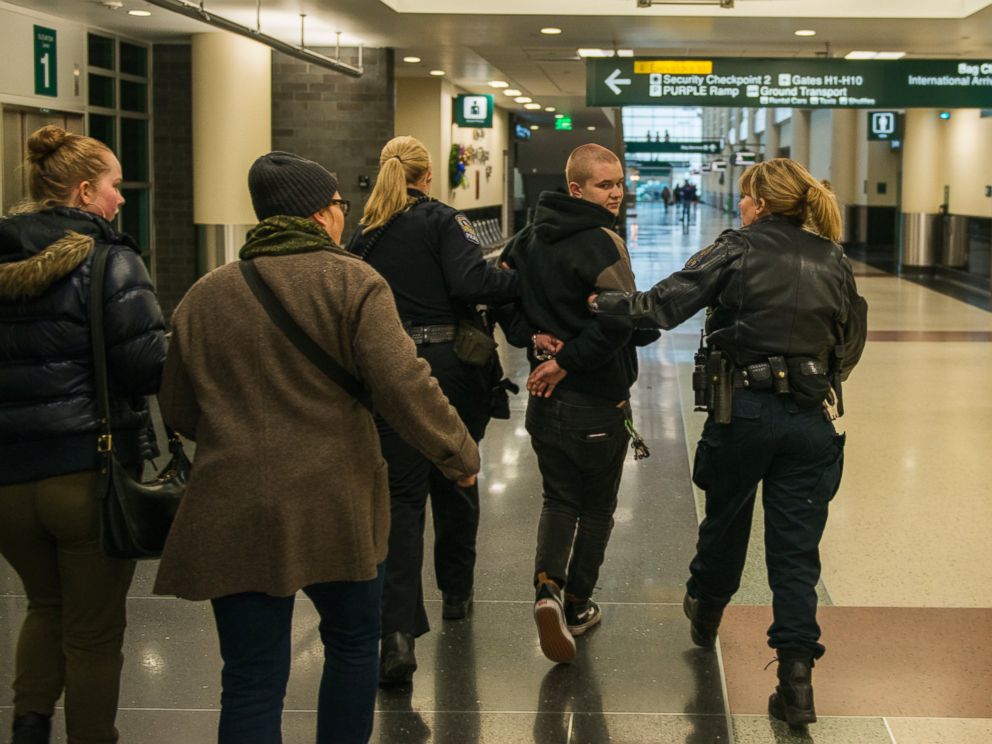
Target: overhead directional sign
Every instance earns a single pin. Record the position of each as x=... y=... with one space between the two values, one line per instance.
x=806 y=83
x=707 y=146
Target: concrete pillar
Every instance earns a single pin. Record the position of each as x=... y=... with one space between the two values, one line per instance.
x=771 y=138
x=232 y=126
x=800 y=136
x=922 y=188
x=843 y=164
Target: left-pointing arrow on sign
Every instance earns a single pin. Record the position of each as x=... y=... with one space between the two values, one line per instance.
x=614 y=81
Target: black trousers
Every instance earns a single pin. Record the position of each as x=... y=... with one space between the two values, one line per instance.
x=580 y=451
x=455 y=511
x=798 y=458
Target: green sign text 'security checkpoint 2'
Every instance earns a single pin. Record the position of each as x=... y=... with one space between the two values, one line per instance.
x=805 y=83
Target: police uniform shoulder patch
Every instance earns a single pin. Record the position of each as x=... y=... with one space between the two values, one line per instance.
x=467 y=229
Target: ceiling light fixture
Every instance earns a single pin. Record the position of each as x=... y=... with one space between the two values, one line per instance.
x=534 y=127
x=550 y=109
x=437 y=73
x=411 y=60
x=523 y=99
x=559 y=116
x=498 y=84
x=874 y=55
x=550 y=31
x=591 y=128
x=805 y=32
x=596 y=53
x=511 y=92
x=532 y=106
x=625 y=52
x=139 y=13
x=649 y=3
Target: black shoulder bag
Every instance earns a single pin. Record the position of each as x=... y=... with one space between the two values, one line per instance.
x=135 y=516
x=299 y=338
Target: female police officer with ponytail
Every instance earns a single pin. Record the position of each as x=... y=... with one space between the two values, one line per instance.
x=784 y=326
x=431 y=257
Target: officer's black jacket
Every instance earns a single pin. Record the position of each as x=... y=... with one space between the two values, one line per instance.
x=48 y=411
x=432 y=259
x=771 y=289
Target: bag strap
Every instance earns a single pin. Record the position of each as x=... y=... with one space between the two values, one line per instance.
x=97 y=270
x=299 y=338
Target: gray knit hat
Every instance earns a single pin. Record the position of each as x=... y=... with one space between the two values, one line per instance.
x=283 y=183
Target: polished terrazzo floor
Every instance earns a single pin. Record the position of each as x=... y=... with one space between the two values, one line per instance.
x=906 y=595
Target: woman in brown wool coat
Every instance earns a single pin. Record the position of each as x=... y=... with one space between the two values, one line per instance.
x=289 y=489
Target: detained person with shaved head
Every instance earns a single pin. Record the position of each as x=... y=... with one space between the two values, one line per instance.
x=583 y=366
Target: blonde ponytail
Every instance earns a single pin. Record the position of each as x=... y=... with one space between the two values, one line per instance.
x=822 y=212
x=404 y=160
x=788 y=189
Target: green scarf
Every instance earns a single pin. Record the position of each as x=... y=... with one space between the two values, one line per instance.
x=282 y=235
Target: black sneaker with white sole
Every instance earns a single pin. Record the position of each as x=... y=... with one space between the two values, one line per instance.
x=557 y=642
x=580 y=616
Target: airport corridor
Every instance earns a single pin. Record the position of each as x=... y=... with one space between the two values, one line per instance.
x=906 y=590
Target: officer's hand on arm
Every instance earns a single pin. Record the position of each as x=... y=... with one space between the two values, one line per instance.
x=467 y=482
x=545 y=378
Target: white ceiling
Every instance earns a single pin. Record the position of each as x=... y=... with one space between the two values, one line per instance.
x=475 y=41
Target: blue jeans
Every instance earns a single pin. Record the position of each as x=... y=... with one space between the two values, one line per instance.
x=796 y=455
x=255 y=631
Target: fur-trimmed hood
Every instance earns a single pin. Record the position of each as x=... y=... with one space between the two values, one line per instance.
x=32 y=276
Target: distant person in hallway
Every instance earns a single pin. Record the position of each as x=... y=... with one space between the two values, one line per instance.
x=431 y=257
x=73 y=632
x=579 y=407
x=289 y=488
x=784 y=327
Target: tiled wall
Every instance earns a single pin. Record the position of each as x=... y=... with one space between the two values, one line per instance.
x=339 y=121
x=175 y=236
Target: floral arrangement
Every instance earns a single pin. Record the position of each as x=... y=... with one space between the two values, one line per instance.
x=458 y=160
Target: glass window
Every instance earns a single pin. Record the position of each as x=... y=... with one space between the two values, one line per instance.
x=134 y=149
x=102 y=128
x=135 y=218
x=134 y=59
x=101 y=52
x=134 y=96
x=101 y=91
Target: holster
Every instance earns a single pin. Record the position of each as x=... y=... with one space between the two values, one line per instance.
x=719 y=374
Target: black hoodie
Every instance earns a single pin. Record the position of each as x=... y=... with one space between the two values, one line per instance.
x=568 y=252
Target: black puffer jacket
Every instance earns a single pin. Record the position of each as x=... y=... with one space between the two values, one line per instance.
x=48 y=412
x=772 y=288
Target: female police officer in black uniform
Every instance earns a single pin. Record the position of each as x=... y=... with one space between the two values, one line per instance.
x=784 y=326
x=431 y=257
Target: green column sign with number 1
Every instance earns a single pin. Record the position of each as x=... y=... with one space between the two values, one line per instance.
x=46 y=79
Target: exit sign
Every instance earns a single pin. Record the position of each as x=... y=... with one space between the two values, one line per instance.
x=45 y=62
x=564 y=123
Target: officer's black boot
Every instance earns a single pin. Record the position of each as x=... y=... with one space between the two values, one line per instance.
x=397 y=662
x=704 y=620
x=792 y=700
x=32 y=728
